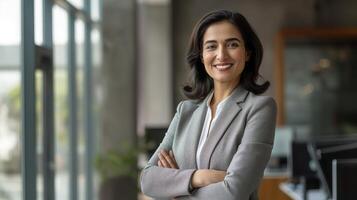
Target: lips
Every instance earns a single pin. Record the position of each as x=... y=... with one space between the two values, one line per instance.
x=223 y=66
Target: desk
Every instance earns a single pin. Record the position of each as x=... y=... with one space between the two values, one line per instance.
x=269 y=187
x=295 y=192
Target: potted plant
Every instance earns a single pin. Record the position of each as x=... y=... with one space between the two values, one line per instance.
x=118 y=171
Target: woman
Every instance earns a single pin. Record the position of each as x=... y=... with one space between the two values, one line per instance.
x=220 y=140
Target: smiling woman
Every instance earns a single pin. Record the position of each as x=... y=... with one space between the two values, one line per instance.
x=224 y=54
x=220 y=140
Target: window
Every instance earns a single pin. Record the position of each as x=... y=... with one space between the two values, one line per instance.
x=56 y=160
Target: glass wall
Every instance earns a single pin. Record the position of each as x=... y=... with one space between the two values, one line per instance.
x=10 y=101
x=96 y=44
x=38 y=22
x=38 y=6
x=61 y=104
x=39 y=133
x=79 y=38
x=95 y=9
x=78 y=3
x=68 y=102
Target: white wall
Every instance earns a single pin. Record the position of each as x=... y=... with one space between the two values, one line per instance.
x=155 y=66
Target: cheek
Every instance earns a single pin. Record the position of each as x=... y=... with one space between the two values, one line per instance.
x=238 y=55
x=207 y=68
x=207 y=65
x=207 y=59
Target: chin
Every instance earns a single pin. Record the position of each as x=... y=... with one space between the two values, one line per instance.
x=223 y=80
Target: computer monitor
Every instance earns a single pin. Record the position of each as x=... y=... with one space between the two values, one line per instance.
x=332 y=140
x=323 y=158
x=282 y=140
x=300 y=161
x=281 y=149
x=344 y=179
x=153 y=138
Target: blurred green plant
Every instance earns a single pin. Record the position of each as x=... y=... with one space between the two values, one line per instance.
x=116 y=163
x=12 y=99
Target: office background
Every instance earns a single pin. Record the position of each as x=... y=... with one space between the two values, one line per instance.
x=83 y=81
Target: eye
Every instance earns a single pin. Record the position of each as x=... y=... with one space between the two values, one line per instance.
x=210 y=46
x=232 y=44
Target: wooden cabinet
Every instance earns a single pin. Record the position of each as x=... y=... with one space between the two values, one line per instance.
x=269 y=188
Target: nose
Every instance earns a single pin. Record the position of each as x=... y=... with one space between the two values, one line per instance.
x=221 y=53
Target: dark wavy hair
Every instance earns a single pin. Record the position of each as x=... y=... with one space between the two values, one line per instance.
x=200 y=83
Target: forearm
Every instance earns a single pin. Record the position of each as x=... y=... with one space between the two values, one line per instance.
x=158 y=182
x=168 y=167
x=241 y=179
x=204 y=177
x=212 y=191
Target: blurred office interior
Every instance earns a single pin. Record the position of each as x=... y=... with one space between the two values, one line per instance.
x=88 y=88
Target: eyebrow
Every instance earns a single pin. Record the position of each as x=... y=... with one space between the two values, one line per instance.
x=226 y=40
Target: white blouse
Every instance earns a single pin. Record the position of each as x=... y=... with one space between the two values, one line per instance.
x=209 y=122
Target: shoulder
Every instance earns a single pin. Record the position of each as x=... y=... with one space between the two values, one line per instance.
x=188 y=106
x=258 y=102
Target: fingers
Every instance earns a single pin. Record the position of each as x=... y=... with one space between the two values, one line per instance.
x=169 y=156
x=167 y=160
x=163 y=161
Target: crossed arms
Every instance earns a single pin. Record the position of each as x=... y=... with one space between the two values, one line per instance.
x=162 y=179
x=200 y=178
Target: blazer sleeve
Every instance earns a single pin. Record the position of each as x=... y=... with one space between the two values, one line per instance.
x=166 y=183
x=247 y=166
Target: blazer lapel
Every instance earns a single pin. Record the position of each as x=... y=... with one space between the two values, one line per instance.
x=229 y=112
x=194 y=133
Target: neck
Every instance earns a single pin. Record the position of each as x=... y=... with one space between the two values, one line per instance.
x=221 y=91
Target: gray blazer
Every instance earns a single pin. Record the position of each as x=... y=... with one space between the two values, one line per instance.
x=240 y=143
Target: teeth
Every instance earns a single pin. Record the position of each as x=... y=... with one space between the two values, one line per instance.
x=222 y=67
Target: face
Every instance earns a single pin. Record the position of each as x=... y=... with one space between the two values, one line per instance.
x=224 y=54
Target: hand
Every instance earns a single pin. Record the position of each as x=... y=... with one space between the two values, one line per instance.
x=167 y=160
x=204 y=177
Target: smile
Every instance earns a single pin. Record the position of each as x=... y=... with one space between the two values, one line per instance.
x=223 y=66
